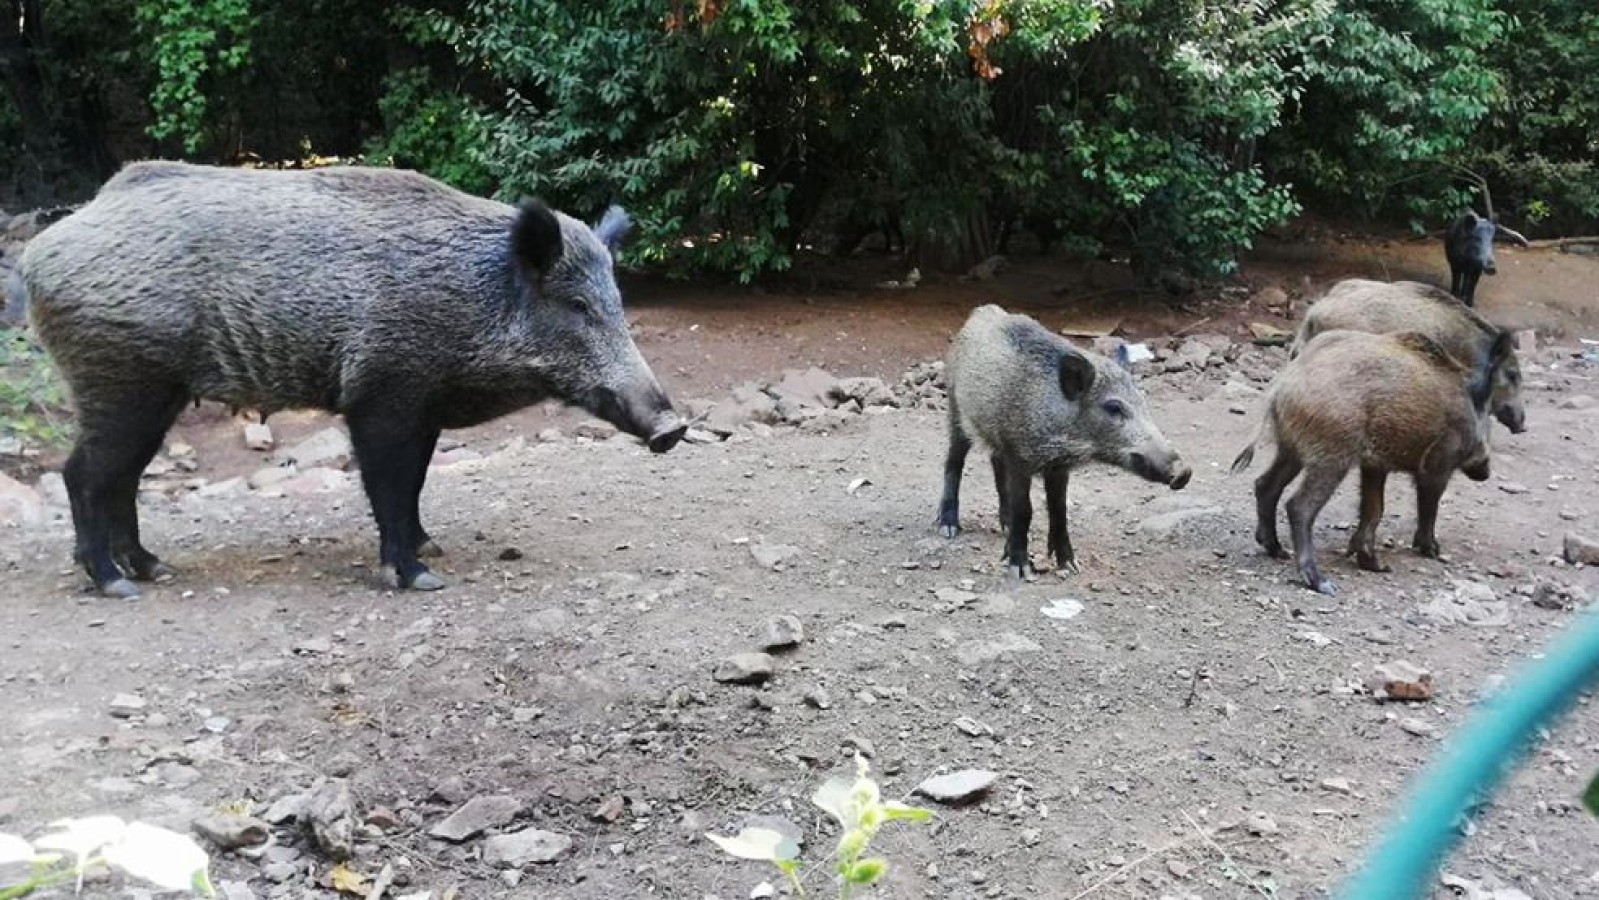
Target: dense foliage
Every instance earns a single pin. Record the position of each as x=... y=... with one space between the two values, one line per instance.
x=1170 y=132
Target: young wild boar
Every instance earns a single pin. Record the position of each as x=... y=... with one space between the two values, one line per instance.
x=383 y=295
x=1381 y=307
x=1042 y=406
x=1469 y=247
x=1387 y=403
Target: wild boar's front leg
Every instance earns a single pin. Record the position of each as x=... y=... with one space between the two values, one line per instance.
x=1429 y=491
x=393 y=450
x=1363 y=543
x=425 y=546
x=1018 y=488
x=1060 y=540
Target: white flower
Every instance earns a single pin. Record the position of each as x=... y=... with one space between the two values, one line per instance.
x=161 y=857
x=14 y=850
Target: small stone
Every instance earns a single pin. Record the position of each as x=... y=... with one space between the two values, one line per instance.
x=329 y=814
x=258 y=436
x=329 y=448
x=285 y=809
x=511 y=877
x=1261 y=825
x=477 y=816
x=763 y=891
x=594 y=430
x=124 y=706
x=232 y=832
x=957 y=787
x=1578 y=401
x=384 y=819
x=1513 y=487
x=452 y=789
x=819 y=698
x=510 y=554
x=313 y=646
x=1417 y=727
x=530 y=845
x=1267 y=335
x=235 y=890
x=972 y=728
x=1336 y=786
x=745 y=668
x=271 y=476
x=279 y=873
x=1581 y=550
x=610 y=809
x=863 y=746
x=1178 y=868
x=782 y=632
x=1400 y=680
x=771 y=556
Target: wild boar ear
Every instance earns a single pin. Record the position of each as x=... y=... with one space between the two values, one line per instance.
x=1500 y=349
x=1124 y=357
x=536 y=238
x=613 y=227
x=1076 y=374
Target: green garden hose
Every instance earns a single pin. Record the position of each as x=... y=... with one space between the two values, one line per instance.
x=1474 y=763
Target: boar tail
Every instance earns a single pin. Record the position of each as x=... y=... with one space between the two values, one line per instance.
x=1247 y=455
x=16 y=309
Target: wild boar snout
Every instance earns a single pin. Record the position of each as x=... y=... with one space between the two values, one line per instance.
x=1161 y=466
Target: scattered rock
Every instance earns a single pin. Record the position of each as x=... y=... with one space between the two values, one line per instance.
x=1062 y=608
x=271 y=476
x=745 y=668
x=313 y=646
x=229 y=831
x=957 y=787
x=1164 y=525
x=1267 y=335
x=20 y=505
x=235 y=890
x=286 y=809
x=1337 y=786
x=1400 y=680
x=1190 y=354
x=125 y=706
x=384 y=819
x=477 y=816
x=1548 y=595
x=819 y=698
x=976 y=652
x=1261 y=825
x=315 y=480
x=1577 y=401
x=782 y=632
x=610 y=809
x=971 y=727
x=865 y=391
x=1469 y=603
x=808 y=388
x=1513 y=487
x=764 y=890
x=595 y=430
x=748 y=405
x=530 y=845
x=451 y=789
x=258 y=436
x=1581 y=550
x=773 y=555
x=1417 y=727
x=329 y=815
x=329 y=448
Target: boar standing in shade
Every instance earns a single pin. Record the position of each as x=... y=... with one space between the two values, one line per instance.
x=1385 y=403
x=1381 y=307
x=1469 y=247
x=1042 y=406
x=382 y=295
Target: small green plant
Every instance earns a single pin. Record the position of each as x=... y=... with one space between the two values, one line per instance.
x=858 y=808
x=32 y=396
x=164 y=858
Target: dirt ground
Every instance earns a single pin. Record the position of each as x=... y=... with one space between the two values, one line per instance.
x=1196 y=731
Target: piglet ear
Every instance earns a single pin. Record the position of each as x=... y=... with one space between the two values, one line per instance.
x=613 y=227
x=536 y=239
x=1501 y=348
x=1076 y=374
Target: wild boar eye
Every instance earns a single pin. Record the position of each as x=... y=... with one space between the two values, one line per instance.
x=578 y=305
x=1115 y=408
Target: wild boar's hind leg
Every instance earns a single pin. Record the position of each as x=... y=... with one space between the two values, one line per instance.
x=425 y=546
x=1060 y=540
x=1303 y=507
x=1363 y=543
x=949 y=506
x=393 y=450
x=119 y=432
x=1269 y=489
x=1002 y=488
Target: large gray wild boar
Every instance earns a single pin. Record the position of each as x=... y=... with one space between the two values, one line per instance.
x=1042 y=406
x=1381 y=307
x=1386 y=403
x=383 y=295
